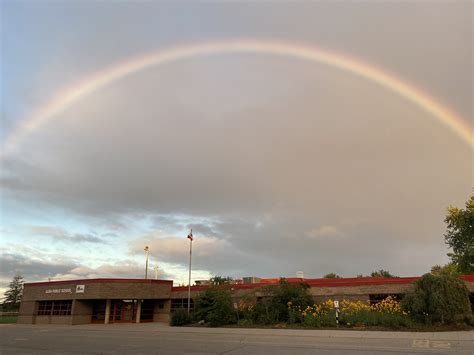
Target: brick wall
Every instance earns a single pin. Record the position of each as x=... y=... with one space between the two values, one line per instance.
x=96 y=290
x=81 y=312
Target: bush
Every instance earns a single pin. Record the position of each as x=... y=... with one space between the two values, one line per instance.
x=376 y=318
x=180 y=317
x=264 y=313
x=284 y=294
x=327 y=319
x=214 y=306
x=437 y=298
x=469 y=320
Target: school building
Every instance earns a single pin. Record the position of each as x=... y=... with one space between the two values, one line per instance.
x=139 y=300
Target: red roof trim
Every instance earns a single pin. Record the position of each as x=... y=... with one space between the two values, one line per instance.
x=340 y=282
x=350 y=281
x=92 y=281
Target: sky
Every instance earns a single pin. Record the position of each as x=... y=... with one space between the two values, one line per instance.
x=278 y=164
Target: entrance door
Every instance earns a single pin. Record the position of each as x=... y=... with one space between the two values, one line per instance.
x=128 y=312
x=123 y=311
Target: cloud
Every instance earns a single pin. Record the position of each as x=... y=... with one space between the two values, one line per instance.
x=119 y=269
x=276 y=164
x=324 y=231
x=61 y=234
x=31 y=268
x=37 y=269
x=176 y=249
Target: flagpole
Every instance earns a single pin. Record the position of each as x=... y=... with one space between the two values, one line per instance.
x=189 y=281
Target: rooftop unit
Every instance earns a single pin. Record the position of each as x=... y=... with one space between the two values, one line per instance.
x=251 y=280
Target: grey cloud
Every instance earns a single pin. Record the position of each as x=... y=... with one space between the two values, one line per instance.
x=31 y=269
x=39 y=270
x=85 y=238
x=110 y=235
x=62 y=234
x=270 y=157
x=246 y=250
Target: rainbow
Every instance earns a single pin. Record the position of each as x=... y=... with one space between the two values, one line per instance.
x=72 y=95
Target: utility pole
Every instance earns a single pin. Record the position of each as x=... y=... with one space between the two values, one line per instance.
x=147 y=250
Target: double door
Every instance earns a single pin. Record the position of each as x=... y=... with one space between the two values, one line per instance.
x=123 y=311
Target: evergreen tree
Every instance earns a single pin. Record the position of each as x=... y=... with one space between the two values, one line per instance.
x=14 y=293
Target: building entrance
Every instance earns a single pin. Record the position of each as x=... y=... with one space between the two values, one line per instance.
x=123 y=311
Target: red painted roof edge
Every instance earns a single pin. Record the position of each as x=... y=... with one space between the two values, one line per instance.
x=90 y=281
x=352 y=281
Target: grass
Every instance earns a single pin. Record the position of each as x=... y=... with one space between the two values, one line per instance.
x=8 y=320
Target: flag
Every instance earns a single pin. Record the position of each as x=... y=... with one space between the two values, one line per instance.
x=190 y=235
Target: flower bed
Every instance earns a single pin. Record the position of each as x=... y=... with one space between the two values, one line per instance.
x=387 y=313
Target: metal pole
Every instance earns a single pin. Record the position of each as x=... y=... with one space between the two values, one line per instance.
x=156 y=272
x=189 y=282
x=146 y=263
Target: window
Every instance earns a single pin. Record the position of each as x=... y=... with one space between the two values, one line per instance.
x=376 y=298
x=147 y=310
x=181 y=303
x=98 y=310
x=54 y=308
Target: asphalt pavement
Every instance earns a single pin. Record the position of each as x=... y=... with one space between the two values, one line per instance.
x=156 y=338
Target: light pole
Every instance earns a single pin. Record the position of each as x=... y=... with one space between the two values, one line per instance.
x=147 y=250
x=156 y=272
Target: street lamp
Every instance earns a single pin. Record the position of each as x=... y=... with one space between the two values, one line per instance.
x=147 y=250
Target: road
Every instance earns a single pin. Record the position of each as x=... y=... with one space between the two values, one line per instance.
x=155 y=338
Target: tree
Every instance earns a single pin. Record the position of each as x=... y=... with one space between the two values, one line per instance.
x=382 y=273
x=448 y=269
x=14 y=293
x=437 y=298
x=221 y=280
x=460 y=236
x=331 y=275
x=214 y=305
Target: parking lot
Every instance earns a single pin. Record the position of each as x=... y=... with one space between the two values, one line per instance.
x=156 y=338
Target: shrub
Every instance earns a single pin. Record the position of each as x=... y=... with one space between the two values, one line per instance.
x=376 y=318
x=245 y=323
x=264 y=313
x=285 y=293
x=437 y=298
x=469 y=320
x=214 y=306
x=180 y=317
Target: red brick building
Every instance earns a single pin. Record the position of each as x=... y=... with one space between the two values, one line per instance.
x=138 y=300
